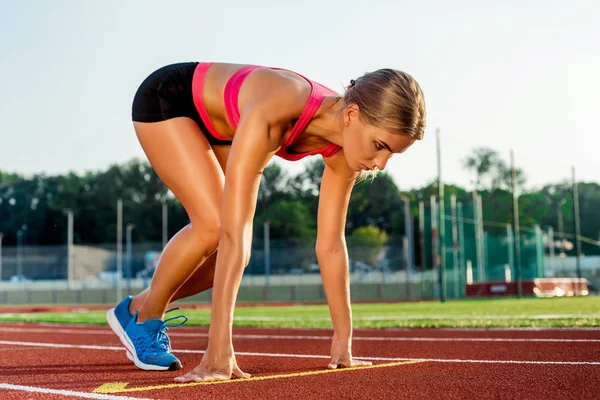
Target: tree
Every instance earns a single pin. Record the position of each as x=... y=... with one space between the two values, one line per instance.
x=308 y=182
x=366 y=242
x=482 y=162
x=290 y=219
x=272 y=185
x=488 y=167
x=38 y=203
x=376 y=203
x=502 y=177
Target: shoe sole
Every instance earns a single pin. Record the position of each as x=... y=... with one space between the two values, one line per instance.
x=116 y=327
x=174 y=366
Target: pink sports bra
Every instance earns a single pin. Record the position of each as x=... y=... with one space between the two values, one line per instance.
x=232 y=89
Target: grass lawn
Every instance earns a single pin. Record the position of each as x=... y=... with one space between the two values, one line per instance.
x=528 y=312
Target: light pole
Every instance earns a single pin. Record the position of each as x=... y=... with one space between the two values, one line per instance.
x=70 y=271
x=129 y=254
x=1 y=235
x=517 y=235
x=441 y=231
x=165 y=221
x=560 y=226
x=119 y=248
x=577 y=228
x=20 y=234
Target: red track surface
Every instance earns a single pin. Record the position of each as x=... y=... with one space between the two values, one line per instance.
x=450 y=366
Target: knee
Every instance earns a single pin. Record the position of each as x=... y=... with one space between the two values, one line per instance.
x=207 y=232
x=241 y=243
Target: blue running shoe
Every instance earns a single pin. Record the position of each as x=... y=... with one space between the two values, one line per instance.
x=149 y=344
x=118 y=318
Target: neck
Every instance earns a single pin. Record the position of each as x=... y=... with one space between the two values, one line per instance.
x=328 y=122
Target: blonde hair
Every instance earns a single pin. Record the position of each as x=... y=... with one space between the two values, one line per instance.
x=391 y=100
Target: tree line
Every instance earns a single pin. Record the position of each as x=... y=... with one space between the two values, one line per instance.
x=36 y=205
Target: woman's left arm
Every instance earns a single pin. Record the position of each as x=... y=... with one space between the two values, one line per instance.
x=332 y=255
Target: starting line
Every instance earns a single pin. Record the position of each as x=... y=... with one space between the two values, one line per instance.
x=121 y=387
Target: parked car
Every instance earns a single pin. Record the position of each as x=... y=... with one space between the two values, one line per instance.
x=19 y=278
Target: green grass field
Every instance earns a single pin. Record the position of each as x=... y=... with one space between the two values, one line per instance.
x=529 y=312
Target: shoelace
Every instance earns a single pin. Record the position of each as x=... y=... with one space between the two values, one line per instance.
x=162 y=339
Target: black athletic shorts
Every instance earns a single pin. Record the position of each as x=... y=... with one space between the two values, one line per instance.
x=167 y=93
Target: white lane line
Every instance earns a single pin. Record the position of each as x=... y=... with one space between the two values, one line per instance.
x=422 y=317
x=417 y=339
x=62 y=345
x=481 y=329
x=34 y=389
x=386 y=317
x=48 y=330
x=512 y=329
x=314 y=337
x=457 y=360
x=284 y=355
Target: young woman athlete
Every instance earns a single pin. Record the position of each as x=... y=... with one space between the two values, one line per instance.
x=209 y=130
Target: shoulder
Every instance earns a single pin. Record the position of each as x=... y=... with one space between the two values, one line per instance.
x=277 y=95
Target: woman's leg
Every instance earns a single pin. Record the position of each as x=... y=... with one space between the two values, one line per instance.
x=203 y=277
x=185 y=162
x=201 y=280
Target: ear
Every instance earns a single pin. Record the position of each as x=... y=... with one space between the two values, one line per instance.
x=351 y=113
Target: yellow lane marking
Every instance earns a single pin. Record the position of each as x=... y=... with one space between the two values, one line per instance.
x=121 y=387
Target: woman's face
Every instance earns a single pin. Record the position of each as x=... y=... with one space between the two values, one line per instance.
x=366 y=146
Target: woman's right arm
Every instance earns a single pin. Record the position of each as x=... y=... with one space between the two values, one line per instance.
x=258 y=137
x=250 y=152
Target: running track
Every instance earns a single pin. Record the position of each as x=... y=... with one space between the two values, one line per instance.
x=61 y=361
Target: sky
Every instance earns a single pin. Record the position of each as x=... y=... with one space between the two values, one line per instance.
x=521 y=75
